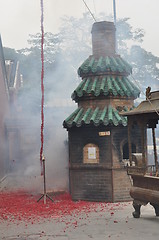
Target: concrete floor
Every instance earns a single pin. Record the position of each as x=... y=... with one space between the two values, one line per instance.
x=94 y=225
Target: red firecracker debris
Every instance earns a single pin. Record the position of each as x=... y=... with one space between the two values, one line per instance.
x=115 y=221
x=21 y=206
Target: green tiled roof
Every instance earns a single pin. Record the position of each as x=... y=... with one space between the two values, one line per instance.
x=104 y=64
x=96 y=117
x=106 y=85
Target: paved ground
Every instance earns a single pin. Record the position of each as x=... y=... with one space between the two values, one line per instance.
x=98 y=225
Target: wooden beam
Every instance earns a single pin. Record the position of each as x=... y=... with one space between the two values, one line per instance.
x=155 y=150
x=129 y=142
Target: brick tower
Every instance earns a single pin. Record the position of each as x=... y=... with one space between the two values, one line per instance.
x=97 y=132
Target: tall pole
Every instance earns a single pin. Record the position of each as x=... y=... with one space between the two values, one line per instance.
x=42 y=158
x=114 y=11
x=42 y=84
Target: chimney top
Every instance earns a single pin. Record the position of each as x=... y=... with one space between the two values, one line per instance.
x=103 y=26
x=103 y=39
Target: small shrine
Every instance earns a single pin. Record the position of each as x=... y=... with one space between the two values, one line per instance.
x=97 y=133
x=145 y=177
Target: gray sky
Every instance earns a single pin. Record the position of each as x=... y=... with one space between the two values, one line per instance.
x=18 y=18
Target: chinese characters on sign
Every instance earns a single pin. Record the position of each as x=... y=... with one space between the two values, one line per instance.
x=107 y=133
x=91 y=153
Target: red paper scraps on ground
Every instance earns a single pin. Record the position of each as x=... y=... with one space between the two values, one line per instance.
x=21 y=206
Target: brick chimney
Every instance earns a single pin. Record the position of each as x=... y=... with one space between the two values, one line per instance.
x=103 y=39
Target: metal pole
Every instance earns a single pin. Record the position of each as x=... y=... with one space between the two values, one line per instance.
x=44 y=177
x=44 y=180
x=114 y=11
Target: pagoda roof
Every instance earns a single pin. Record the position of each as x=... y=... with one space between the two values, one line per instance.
x=106 y=85
x=148 y=106
x=104 y=64
x=95 y=117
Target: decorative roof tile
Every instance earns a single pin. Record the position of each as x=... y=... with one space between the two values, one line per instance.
x=94 y=65
x=106 y=85
x=95 y=117
x=145 y=107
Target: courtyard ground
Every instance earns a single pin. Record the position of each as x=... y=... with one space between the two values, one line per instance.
x=23 y=218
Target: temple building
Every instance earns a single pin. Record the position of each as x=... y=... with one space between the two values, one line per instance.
x=10 y=83
x=97 y=133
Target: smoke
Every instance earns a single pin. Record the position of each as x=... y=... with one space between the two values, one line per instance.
x=24 y=133
x=25 y=124
x=56 y=155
